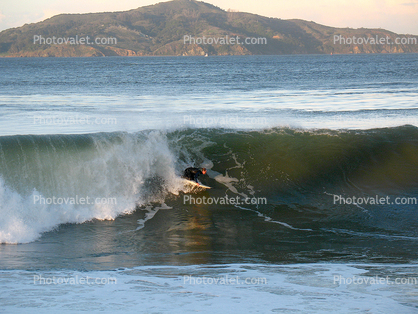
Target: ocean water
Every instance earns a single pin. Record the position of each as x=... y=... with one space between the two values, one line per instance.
x=319 y=154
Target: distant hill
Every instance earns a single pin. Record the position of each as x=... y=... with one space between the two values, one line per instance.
x=160 y=29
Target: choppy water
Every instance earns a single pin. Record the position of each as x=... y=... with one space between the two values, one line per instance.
x=295 y=131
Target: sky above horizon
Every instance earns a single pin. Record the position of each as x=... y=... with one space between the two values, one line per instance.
x=399 y=16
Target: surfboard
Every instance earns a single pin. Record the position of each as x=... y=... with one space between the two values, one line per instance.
x=200 y=185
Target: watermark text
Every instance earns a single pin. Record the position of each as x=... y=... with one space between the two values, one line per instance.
x=373 y=200
x=203 y=200
x=385 y=40
x=76 y=280
x=224 y=280
x=76 y=40
x=227 y=40
x=39 y=199
x=375 y=280
x=72 y=120
x=223 y=120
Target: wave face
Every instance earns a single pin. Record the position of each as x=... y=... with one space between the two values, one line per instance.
x=303 y=162
x=295 y=169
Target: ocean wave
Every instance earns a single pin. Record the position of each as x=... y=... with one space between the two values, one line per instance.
x=290 y=167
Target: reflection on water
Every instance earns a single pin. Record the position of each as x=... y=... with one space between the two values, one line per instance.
x=189 y=234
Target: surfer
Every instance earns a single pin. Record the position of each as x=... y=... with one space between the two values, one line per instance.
x=192 y=173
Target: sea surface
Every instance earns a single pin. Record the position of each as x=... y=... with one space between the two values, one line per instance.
x=312 y=160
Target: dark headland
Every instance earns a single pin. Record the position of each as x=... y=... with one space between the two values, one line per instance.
x=160 y=30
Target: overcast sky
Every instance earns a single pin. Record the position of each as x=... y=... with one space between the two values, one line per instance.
x=400 y=16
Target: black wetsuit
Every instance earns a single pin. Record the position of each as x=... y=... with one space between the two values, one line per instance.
x=192 y=174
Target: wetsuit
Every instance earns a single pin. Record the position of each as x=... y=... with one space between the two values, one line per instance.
x=192 y=174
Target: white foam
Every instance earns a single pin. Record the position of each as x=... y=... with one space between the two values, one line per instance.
x=131 y=172
x=150 y=213
x=298 y=288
